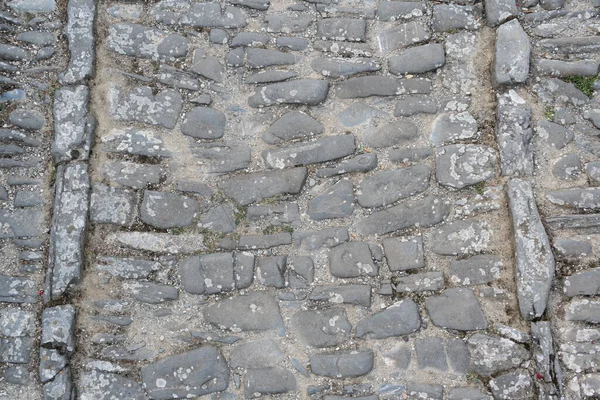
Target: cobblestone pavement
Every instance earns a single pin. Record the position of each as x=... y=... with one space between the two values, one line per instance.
x=362 y=199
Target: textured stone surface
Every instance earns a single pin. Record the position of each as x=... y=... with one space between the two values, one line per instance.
x=443 y=311
x=352 y=259
x=337 y=202
x=300 y=91
x=80 y=34
x=72 y=126
x=167 y=210
x=387 y=187
x=419 y=59
x=492 y=354
x=514 y=135
x=142 y=41
x=462 y=237
x=513 y=49
x=141 y=105
x=401 y=318
x=313 y=152
x=321 y=329
x=342 y=364
x=292 y=125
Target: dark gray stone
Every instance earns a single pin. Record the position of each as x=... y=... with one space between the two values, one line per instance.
x=19 y=137
x=258 y=311
x=106 y=385
x=394 y=133
x=292 y=43
x=499 y=11
x=153 y=293
x=583 y=310
x=16 y=350
x=554 y=134
x=426 y=281
x=269 y=77
x=493 y=354
x=220 y=157
x=28 y=199
x=387 y=187
x=461 y=238
x=235 y=58
x=346 y=364
x=352 y=259
x=135 y=141
x=268 y=381
x=475 y=270
x=211 y=15
x=337 y=202
x=444 y=313
x=208 y=67
x=316 y=239
x=15 y=289
x=516 y=385
x=72 y=126
x=29 y=119
x=262 y=353
x=570 y=45
x=203 y=100
x=32 y=6
x=51 y=363
x=218 y=36
x=399 y=319
x=359 y=113
x=361 y=163
x=292 y=125
x=260 y=58
x=514 y=134
x=299 y=91
x=275 y=214
x=253 y=242
x=136 y=176
x=13 y=53
x=412 y=105
x=512 y=54
x=344 y=49
x=254 y=4
x=586 y=283
x=21 y=223
x=343 y=67
x=208 y=373
x=552 y=4
x=404 y=253
x=399 y=10
x=449 y=128
x=409 y=155
x=322 y=328
x=167 y=210
x=141 y=105
x=219 y=219
x=459 y=358
x=461 y=165
x=584 y=198
x=159 y=242
x=61 y=388
x=129 y=268
x=112 y=205
x=137 y=40
x=347 y=294
x=249 y=39
x=560 y=68
x=207 y=274
x=417 y=60
x=58 y=328
x=313 y=152
x=17 y=374
x=288 y=24
x=402 y=35
x=553 y=90
x=367 y=86
x=15 y=322
x=270 y=271
x=343 y=29
x=301 y=271
x=243 y=269
x=81 y=37
x=448 y=17
x=567 y=167
x=467 y=393
x=129 y=352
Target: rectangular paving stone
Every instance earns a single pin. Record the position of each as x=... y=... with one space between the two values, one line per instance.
x=16 y=350
x=159 y=242
x=145 y=42
x=14 y=289
x=80 y=34
x=344 y=29
x=367 y=86
x=312 y=152
x=514 y=135
x=401 y=36
x=73 y=127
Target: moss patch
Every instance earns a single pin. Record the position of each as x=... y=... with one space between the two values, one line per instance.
x=583 y=83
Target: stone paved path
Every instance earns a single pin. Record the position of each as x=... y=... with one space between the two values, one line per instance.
x=361 y=199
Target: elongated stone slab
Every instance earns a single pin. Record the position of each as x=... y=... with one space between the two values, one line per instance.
x=344 y=67
x=250 y=188
x=159 y=242
x=575 y=221
x=313 y=152
x=402 y=36
x=211 y=15
x=387 y=187
x=399 y=10
x=292 y=125
x=72 y=125
x=135 y=141
x=15 y=289
x=426 y=212
x=141 y=105
x=514 y=135
x=220 y=157
x=300 y=91
x=80 y=33
x=583 y=198
x=513 y=51
x=137 y=40
x=534 y=259
x=571 y=45
x=346 y=364
x=366 y=86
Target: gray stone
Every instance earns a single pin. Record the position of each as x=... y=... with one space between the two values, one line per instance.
x=514 y=134
x=399 y=10
x=313 y=152
x=387 y=187
x=203 y=100
x=418 y=59
x=344 y=49
x=15 y=322
x=512 y=386
x=444 y=313
x=28 y=199
x=243 y=269
x=218 y=36
x=19 y=137
x=16 y=350
x=475 y=270
x=560 y=68
x=220 y=157
x=401 y=355
x=269 y=77
x=270 y=271
x=112 y=205
x=51 y=363
x=512 y=54
x=593 y=116
x=583 y=310
x=131 y=12
x=167 y=210
x=359 y=113
x=153 y=293
x=467 y=393
x=567 y=167
x=367 y=86
x=292 y=43
x=448 y=17
x=316 y=239
x=459 y=358
x=73 y=128
x=553 y=90
x=402 y=35
x=262 y=353
x=253 y=242
x=29 y=119
x=61 y=388
x=219 y=219
x=250 y=188
x=399 y=319
x=409 y=155
x=208 y=373
x=404 y=253
x=21 y=223
x=81 y=37
x=260 y=58
x=348 y=294
x=211 y=15
x=129 y=352
x=412 y=105
x=448 y=128
x=13 y=53
x=499 y=11
x=159 y=242
x=235 y=58
x=204 y=123
x=343 y=67
x=591 y=385
x=142 y=105
x=208 y=67
x=207 y=274
x=58 y=328
x=105 y=385
x=421 y=282
x=32 y=6
x=346 y=364
x=493 y=354
x=249 y=39
x=586 y=283
x=292 y=125
x=570 y=45
x=301 y=271
x=268 y=381
x=361 y=163
x=129 y=268
x=343 y=29
x=141 y=41
x=45 y=53
x=299 y=91
x=552 y=4
x=584 y=198
x=352 y=259
x=461 y=238
x=288 y=24
x=322 y=328
x=15 y=289
x=136 y=176
x=426 y=212
x=135 y=141
x=337 y=202
x=275 y=214
x=258 y=311
x=68 y=229
x=554 y=134
x=11 y=150
x=394 y=133
x=17 y=374
x=543 y=349
x=254 y=4
x=461 y=165
x=416 y=390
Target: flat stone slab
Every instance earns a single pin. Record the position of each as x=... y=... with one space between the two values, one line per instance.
x=135 y=142
x=142 y=41
x=360 y=163
x=80 y=34
x=337 y=202
x=514 y=135
x=322 y=328
x=250 y=188
x=461 y=237
x=404 y=253
x=583 y=198
x=313 y=240
x=346 y=364
x=141 y=105
x=342 y=29
x=220 y=157
x=100 y=384
x=402 y=35
x=151 y=293
x=499 y=11
x=207 y=274
x=387 y=187
x=193 y=373
x=450 y=128
x=493 y=354
x=258 y=311
x=129 y=268
x=512 y=54
x=344 y=67
x=475 y=270
x=31 y=120
x=14 y=289
x=513 y=385
x=445 y=313
x=462 y=165
x=347 y=294
x=261 y=58
x=585 y=283
x=394 y=133
x=352 y=259
x=269 y=76
x=300 y=91
x=211 y=15
x=208 y=67
x=418 y=59
x=58 y=328
x=448 y=17
x=292 y=125
x=16 y=350
x=426 y=212
x=268 y=381
x=412 y=105
x=399 y=319
x=111 y=205
x=399 y=10
x=167 y=210
x=426 y=281
x=204 y=123
x=583 y=310
x=72 y=133
x=534 y=259
x=159 y=242
x=367 y=86
x=262 y=353
x=136 y=176
x=312 y=152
